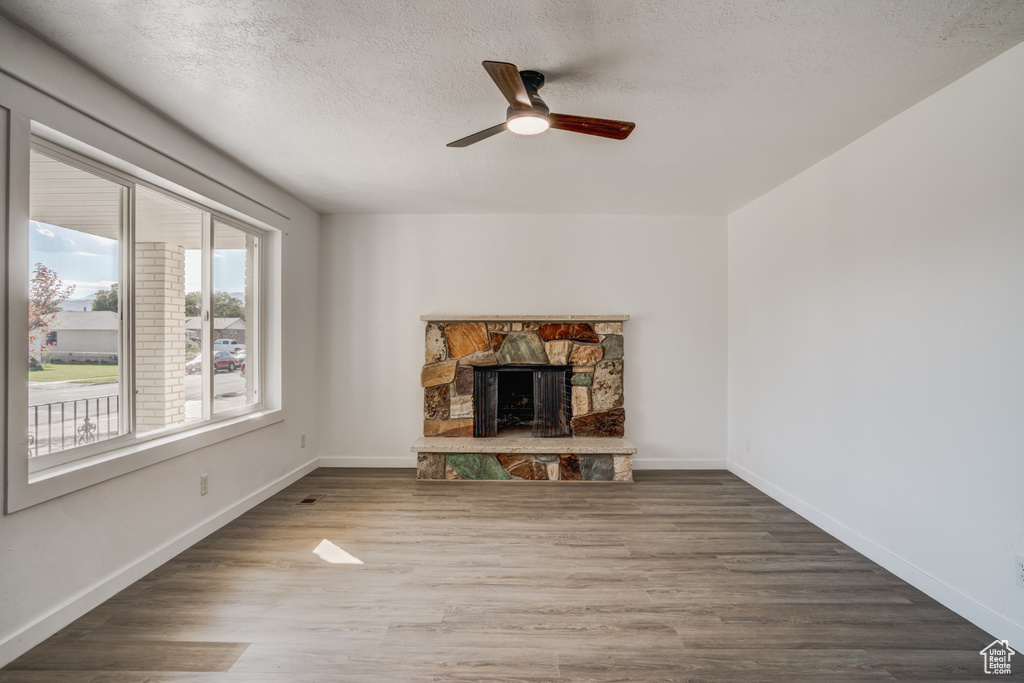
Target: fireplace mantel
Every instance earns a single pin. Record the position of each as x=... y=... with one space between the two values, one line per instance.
x=476 y=403
x=458 y=318
x=580 y=445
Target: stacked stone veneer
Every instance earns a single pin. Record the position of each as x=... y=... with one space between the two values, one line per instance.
x=593 y=349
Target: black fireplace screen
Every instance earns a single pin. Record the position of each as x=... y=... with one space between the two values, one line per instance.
x=531 y=401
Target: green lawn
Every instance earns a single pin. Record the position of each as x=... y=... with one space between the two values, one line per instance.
x=84 y=374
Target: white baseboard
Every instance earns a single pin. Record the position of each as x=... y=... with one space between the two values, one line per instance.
x=672 y=464
x=368 y=460
x=978 y=614
x=45 y=626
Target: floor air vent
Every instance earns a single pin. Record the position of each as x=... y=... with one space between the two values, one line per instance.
x=309 y=500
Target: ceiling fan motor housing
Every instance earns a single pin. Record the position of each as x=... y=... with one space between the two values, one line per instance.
x=533 y=81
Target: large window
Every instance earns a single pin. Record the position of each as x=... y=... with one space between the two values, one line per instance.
x=143 y=316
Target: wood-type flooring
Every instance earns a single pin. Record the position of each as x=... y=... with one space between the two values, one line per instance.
x=681 y=576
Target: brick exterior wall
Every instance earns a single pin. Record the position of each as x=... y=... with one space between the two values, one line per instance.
x=159 y=335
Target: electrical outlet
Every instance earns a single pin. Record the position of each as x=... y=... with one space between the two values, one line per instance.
x=204 y=484
x=302 y=440
x=1018 y=569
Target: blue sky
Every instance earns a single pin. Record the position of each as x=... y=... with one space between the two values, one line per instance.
x=90 y=262
x=86 y=261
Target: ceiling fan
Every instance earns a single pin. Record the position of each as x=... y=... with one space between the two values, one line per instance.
x=528 y=115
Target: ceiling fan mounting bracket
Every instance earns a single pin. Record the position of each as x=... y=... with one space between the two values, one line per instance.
x=532 y=80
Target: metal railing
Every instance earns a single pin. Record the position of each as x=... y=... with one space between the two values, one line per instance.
x=54 y=427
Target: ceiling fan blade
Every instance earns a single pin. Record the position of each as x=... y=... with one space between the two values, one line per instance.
x=605 y=128
x=477 y=137
x=510 y=83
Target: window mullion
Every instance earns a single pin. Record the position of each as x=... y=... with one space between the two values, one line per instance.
x=209 y=368
x=256 y=352
x=126 y=313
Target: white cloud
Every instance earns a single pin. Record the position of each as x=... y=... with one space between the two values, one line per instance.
x=88 y=287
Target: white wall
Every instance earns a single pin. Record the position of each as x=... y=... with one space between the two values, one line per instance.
x=60 y=558
x=876 y=352
x=380 y=273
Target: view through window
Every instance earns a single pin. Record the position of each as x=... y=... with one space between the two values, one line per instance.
x=234 y=292
x=76 y=233
x=168 y=265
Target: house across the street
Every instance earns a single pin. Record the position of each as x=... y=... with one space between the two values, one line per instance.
x=92 y=335
x=223 y=328
x=82 y=335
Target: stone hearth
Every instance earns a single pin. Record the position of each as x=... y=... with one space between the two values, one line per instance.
x=462 y=358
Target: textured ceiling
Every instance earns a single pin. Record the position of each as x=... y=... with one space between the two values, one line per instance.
x=349 y=103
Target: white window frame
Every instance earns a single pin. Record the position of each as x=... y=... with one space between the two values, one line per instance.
x=127 y=452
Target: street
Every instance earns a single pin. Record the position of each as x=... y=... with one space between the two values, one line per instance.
x=226 y=385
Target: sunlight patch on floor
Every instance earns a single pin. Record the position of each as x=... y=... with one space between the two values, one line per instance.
x=329 y=552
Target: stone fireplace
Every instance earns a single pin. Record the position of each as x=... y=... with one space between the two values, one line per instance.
x=524 y=398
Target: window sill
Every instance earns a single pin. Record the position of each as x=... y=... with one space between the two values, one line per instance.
x=25 y=490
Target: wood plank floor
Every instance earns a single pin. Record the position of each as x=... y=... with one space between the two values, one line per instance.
x=682 y=576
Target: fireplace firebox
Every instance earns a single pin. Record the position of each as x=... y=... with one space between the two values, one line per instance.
x=522 y=401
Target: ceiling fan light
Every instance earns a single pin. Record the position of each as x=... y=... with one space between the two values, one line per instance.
x=528 y=124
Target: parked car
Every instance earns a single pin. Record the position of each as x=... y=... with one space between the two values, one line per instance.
x=240 y=359
x=222 y=360
x=229 y=345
